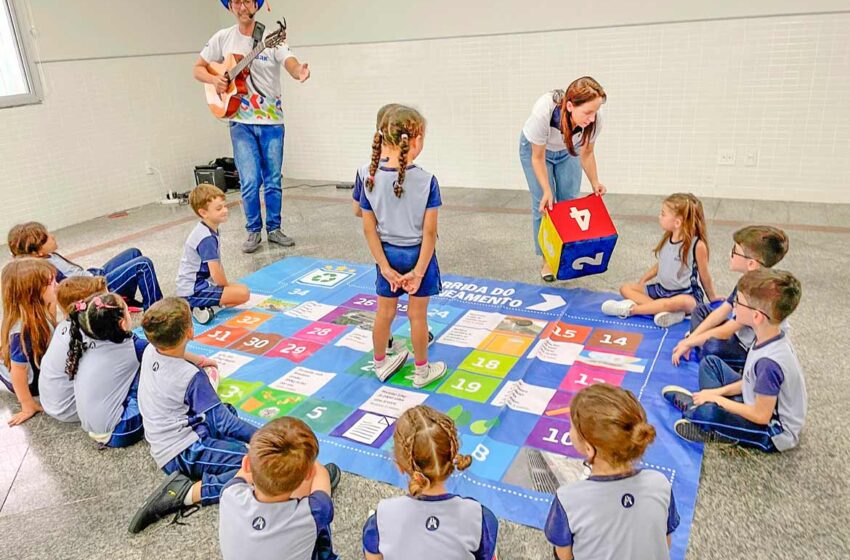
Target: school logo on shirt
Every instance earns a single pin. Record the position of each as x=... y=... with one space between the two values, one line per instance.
x=432 y=523
x=258 y=524
x=155 y=366
x=627 y=500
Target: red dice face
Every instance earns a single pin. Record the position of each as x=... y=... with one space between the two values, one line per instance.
x=587 y=234
x=582 y=219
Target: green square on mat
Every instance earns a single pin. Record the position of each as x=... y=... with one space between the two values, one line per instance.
x=233 y=392
x=365 y=366
x=404 y=378
x=268 y=403
x=488 y=363
x=470 y=386
x=321 y=416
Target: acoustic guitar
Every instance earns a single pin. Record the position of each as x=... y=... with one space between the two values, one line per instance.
x=235 y=69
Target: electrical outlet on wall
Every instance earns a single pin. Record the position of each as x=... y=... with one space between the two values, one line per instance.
x=752 y=158
x=726 y=156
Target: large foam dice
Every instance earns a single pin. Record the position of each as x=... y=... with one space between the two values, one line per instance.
x=577 y=237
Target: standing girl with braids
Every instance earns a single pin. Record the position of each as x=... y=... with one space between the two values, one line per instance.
x=430 y=522
x=29 y=314
x=103 y=362
x=620 y=511
x=400 y=203
x=682 y=265
x=556 y=143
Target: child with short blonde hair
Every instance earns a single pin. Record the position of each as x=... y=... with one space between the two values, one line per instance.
x=282 y=484
x=429 y=522
x=620 y=511
x=200 y=278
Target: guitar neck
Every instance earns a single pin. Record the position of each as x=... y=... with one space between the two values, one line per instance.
x=247 y=60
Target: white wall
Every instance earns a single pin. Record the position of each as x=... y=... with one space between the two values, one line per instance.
x=773 y=87
x=369 y=21
x=118 y=92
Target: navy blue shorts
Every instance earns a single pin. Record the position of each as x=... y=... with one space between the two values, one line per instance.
x=403 y=260
x=657 y=291
x=207 y=295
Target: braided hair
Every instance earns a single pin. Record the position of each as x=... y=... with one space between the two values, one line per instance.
x=396 y=130
x=427 y=448
x=99 y=318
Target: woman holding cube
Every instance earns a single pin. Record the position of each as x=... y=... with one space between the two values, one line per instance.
x=556 y=143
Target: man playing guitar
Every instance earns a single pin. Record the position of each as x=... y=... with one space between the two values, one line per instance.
x=256 y=129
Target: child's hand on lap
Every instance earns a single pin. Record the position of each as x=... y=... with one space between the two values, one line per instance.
x=705 y=396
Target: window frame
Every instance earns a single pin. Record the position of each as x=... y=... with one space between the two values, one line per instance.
x=20 y=21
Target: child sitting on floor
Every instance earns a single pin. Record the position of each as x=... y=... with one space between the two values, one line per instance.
x=201 y=278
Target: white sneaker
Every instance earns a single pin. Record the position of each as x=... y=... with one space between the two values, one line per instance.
x=617 y=308
x=392 y=363
x=204 y=315
x=426 y=374
x=668 y=318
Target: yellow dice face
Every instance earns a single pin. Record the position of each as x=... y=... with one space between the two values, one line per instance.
x=550 y=243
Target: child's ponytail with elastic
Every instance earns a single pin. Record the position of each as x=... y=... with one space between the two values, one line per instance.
x=99 y=318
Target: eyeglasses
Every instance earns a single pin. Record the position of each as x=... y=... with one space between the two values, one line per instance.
x=743 y=256
x=737 y=302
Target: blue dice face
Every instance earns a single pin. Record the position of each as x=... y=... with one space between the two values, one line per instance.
x=582 y=258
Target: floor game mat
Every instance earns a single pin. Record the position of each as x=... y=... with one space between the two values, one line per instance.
x=517 y=353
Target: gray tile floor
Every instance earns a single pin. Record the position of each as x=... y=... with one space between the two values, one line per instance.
x=62 y=498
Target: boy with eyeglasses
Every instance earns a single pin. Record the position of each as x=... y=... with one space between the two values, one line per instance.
x=714 y=331
x=766 y=407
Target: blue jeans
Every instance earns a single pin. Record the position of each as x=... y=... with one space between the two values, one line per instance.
x=217 y=456
x=729 y=350
x=714 y=373
x=564 y=179
x=258 y=151
x=129 y=271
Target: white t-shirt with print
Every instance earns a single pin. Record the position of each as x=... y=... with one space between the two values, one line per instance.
x=538 y=128
x=262 y=104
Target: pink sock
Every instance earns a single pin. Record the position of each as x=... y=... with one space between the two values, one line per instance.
x=420 y=364
x=378 y=360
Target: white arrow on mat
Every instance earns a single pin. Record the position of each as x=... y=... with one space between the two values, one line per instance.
x=549 y=303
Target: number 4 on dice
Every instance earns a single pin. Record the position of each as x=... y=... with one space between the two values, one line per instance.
x=577 y=237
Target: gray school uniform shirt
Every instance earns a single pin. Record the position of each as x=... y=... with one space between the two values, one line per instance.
x=104 y=376
x=66 y=268
x=55 y=390
x=400 y=219
x=447 y=527
x=201 y=247
x=174 y=394
x=20 y=351
x=543 y=125
x=672 y=274
x=294 y=529
x=614 y=517
x=772 y=369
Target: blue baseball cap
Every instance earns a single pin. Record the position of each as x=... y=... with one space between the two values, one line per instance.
x=226 y=3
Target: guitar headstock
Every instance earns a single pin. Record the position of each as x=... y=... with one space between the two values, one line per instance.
x=278 y=37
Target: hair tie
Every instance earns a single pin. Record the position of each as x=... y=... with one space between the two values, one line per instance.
x=404 y=136
x=80 y=305
x=372 y=177
x=100 y=305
